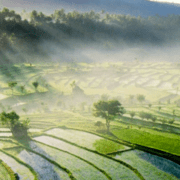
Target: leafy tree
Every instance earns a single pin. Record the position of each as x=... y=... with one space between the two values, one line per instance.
x=173 y=112
x=159 y=108
x=35 y=84
x=18 y=129
x=22 y=88
x=148 y=116
x=132 y=114
x=73 y=84
x=142 y=115
x=153 y=118
x=99 y=124
x=82 y=106
x=140 y=98
x=163 y=121
x=9 y=108
x=107 y=110
x=25 y=110
x=150 y=105
x=12 y=84
x=171 y=121
x=102 y=11
x=169 y=101
x=104 y=97
x=131 y=97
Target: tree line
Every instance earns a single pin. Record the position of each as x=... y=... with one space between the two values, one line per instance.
x=26 y=30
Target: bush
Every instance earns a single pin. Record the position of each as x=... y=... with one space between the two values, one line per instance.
x=99 y=124
x=171 y=121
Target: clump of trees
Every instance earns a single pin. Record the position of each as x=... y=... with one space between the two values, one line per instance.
x=29 y=29
x=140 y=98
x=11 y=120
x=12 y=84
x=145 y=115
x=107 y=110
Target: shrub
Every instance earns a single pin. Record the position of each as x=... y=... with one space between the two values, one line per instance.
x=99 y=124
x=153 y=118
x=171 y=121
x=132 y=114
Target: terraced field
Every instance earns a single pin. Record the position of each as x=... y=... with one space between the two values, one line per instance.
x=86 y=140
x=114 y=169
x=150 y=167
x=66 y=144
x=22 y=171
x=4 y=172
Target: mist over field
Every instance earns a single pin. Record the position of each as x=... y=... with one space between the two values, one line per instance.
x=88 y=37
x=89 y=95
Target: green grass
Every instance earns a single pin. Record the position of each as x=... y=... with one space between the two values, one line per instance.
x=149 y=139
x=59 y=77
x=114 y=169
x=4 y=175
x=149 y=171
x=87 y=140
x=144 y=136
x=81 y=138
x=16 y=166
x=105 y=146
x=80 y=169
x=41 y=167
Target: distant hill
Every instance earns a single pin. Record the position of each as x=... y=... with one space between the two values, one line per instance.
x=143 y=8
x=62 y=34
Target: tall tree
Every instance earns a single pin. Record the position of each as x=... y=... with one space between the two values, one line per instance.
x=140 y=98
x=35 y=84
x=22 y=88
x=12 y=84
x=18 y=129
x=107 y=110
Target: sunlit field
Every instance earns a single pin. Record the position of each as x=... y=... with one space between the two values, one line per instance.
x=68 y=142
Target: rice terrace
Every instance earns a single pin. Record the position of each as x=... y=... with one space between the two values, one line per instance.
x=75 y=105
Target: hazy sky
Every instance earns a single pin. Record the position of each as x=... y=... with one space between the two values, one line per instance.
x=132 y=7
x=169 y=1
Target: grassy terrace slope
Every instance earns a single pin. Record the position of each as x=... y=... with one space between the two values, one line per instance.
x=66 y=143
x=143 y=136
x=17 y=166
x=149 y=169
x=149 y=139
x=79 y=168
x=114 y=169
x=87 y=140
x=4 y=174
x=40 y=166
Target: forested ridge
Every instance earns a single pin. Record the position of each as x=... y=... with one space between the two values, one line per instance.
x=25 y=32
